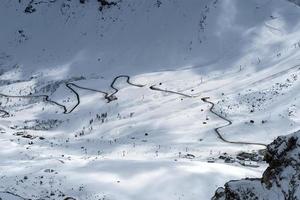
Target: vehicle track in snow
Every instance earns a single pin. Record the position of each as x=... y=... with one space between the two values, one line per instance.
x=295 y=68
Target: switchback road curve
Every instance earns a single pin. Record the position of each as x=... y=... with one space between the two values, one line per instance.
x=111 y=97
x=107 y=96
x=217 y=130
x=44 y=97
x=112 y=85
x=16 y=196
x=229 y=122
x=4 y=113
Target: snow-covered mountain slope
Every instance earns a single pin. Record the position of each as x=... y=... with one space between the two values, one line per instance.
x=142 y=36
x=70 y=127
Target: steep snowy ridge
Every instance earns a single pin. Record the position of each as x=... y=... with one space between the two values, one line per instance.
x=144 y=99
x=279 y=181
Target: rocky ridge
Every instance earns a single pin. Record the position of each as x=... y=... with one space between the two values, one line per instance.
x=281 y=180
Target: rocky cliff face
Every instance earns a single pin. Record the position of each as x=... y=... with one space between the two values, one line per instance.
x=281 y=180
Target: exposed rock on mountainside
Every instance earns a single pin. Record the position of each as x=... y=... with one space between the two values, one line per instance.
x=295 y=1
x=279 y=181
x=31 y=5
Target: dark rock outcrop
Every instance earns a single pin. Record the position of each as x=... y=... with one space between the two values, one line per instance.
x=281 y=180
x=32 y=5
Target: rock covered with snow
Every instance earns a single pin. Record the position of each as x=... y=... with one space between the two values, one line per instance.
x=281 y=180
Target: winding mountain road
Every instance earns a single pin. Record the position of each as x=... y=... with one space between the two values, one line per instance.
x=4 y=113
x=153 y=87
x=217 y=130
x=68 y=85
x=90 y=89
x=111 y=97
x=112 y=85
x=107 y=96
x=12 y=195
x=229 y=122
x=45 y=97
